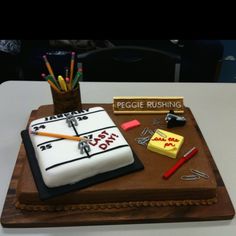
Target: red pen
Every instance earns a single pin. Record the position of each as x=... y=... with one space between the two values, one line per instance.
x=182 y=160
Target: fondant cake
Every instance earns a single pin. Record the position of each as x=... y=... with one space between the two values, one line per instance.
x=139 y=189
x=64 y=161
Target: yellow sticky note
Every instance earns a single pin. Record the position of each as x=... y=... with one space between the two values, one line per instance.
x=165 y=143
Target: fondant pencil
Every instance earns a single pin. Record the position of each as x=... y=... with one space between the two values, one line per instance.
x=67 y=72
x=75 y=138
x=43 y=75
x=49 y=77
x=72 y=64
x=76 y=79
x=68 y=84
x=54 y=86
x=48 y=66
x=50 y=71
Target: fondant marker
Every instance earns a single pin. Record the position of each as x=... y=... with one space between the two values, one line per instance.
x=182 y=160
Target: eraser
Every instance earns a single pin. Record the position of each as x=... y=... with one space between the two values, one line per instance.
x=130 y=124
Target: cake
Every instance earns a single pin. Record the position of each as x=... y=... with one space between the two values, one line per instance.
x=64 y=161
x=139 y=189
x=165 y=143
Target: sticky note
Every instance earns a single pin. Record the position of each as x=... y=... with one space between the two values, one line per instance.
x=165 y=143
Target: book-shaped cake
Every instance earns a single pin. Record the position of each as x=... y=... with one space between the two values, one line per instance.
x=64 y=161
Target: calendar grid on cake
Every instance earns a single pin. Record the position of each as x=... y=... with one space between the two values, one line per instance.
x=68 y=163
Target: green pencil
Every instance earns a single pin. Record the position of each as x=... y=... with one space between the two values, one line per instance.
x=76 y=79
x=50 y=77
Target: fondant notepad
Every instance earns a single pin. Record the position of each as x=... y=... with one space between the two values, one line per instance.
x=165 y=143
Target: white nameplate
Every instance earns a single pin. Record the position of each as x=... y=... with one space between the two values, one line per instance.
x=149 y=105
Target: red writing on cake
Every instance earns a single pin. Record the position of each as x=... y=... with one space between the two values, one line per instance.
x=103 y=140
x=159 y=139
x=167 y=144
x=173 y=139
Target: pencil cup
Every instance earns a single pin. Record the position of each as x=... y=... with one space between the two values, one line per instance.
x=67 y=101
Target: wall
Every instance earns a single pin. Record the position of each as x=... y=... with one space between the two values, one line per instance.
x=228 y=69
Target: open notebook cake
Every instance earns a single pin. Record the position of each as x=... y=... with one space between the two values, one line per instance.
x=63 y=163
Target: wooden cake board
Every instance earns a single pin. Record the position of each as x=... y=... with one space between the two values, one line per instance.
x=15 y=218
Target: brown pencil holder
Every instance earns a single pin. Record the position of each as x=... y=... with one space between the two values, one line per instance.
x=67 y=101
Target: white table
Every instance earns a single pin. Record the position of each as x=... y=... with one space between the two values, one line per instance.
x=213 y=105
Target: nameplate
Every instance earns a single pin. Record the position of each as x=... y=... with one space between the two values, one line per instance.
x=151 y=105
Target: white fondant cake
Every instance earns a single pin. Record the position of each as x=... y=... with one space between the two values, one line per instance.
x=62 y=162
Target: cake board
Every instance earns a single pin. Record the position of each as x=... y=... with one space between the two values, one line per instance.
x=12 y=217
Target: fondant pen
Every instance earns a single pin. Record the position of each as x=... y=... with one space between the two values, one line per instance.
x=182 y=160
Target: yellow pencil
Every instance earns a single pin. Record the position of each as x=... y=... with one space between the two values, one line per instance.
x=48 y=66
x=75 y=138
x=54 y=86
x=62 y=83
